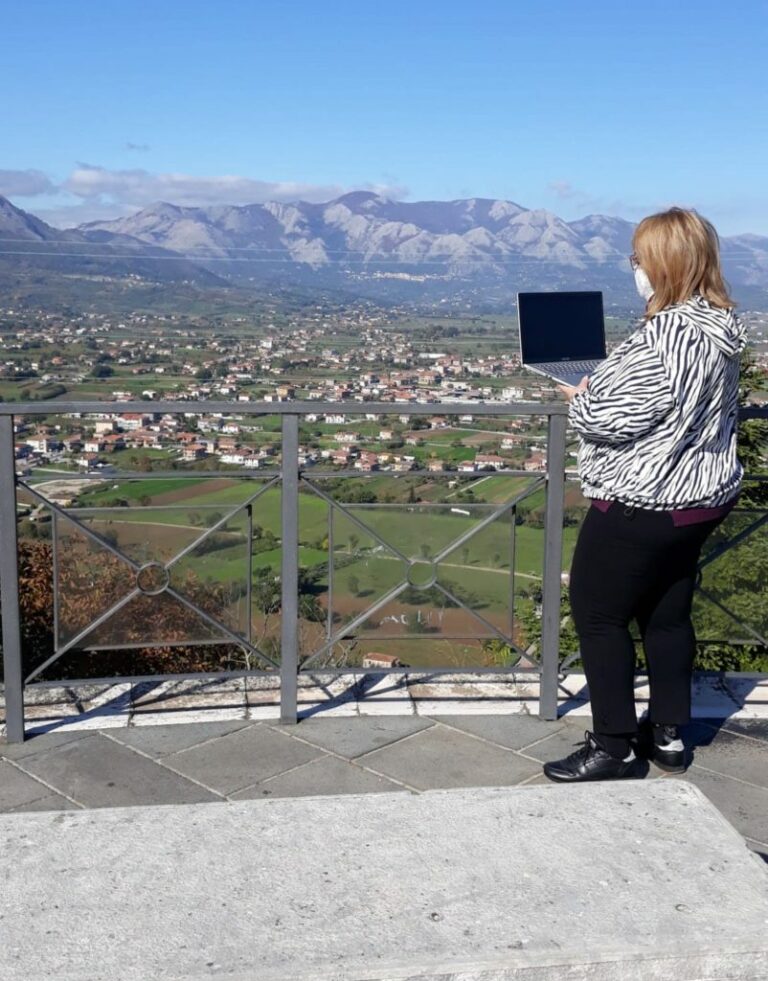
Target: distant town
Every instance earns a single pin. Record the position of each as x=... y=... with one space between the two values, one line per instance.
x=355 y=354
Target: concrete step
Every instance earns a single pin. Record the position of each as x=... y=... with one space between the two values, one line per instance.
x=640 y=880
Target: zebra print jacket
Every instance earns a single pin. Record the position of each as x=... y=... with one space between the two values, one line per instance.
x=657 y=424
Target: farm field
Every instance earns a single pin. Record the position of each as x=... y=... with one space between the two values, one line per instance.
x=419 y=530
x=132 y=490
x=367 y=543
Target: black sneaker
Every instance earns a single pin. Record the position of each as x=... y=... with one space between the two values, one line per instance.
x=662 y=745
x=592 y=762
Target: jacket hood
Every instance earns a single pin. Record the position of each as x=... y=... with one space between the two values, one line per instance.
x=722 y=327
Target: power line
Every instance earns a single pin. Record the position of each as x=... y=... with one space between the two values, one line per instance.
x=566 y=262
x=189 y=250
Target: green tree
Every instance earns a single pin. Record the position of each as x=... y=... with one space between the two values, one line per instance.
x=752 y=435
x=265 y=594
x=529 y=617
x=310 y=608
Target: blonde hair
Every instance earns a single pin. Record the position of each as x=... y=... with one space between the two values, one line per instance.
x=680 y=252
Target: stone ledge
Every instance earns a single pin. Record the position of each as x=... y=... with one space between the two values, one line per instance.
x=637 y=881
x=92 y=706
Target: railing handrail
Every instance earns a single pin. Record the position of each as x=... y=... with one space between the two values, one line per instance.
x=290 y=408
x=287 y=408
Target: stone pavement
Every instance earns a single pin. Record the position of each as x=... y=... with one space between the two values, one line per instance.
x=327 y=754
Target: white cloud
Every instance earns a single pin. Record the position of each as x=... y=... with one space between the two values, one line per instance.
x=95 y=193
x=562 y=189
x=24 y=183
x=80 y=212
x=137 y=188
x=576 y=203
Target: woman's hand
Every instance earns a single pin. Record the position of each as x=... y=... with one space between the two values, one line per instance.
x=570 y=390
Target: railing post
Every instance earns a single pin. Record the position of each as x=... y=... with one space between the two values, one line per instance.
x=9 y=587
x=553 y=559
x=289 y=647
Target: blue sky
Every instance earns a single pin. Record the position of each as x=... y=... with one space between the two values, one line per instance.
x=577 y=106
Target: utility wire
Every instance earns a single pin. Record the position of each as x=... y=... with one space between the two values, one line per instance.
x=480 y=260
x=724 y=254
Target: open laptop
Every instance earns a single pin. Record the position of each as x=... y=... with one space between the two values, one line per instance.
x=562 y=335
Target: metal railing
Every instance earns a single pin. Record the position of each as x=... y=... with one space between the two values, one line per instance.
x=292 y=479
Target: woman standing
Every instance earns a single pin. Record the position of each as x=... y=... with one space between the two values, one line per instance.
x=657 y=456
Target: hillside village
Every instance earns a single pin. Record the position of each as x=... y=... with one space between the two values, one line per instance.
x=144 y=360
x=361 y=354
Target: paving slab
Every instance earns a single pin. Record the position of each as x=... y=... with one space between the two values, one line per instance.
x=324 y=776
x=512 y=731
x=442 y=757
x=97 y=772
x=389 y=886
x=161 y=740
x=17 y=787
x=241 y=759
x=353 y=737
x=745 y=805
x=51 y=802
x=754 y=728
x=36 y=744
x=759 y=848
x=727 y=753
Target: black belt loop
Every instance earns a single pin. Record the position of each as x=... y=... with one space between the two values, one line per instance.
x=629 y=511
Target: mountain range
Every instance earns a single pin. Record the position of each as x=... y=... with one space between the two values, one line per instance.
x=475 y=250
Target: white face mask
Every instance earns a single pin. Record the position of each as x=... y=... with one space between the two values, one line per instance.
x=643 y=284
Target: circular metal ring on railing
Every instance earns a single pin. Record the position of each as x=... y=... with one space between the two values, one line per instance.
x=152 y=578
x=421 y=574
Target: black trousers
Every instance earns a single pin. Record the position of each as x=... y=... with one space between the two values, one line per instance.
x=635 y=564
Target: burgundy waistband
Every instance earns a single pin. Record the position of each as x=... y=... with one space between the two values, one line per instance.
x=680 y=516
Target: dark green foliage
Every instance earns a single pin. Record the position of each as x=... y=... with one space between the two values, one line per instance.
x=753 y=437
x=219 y=540
x=432 y=596
x=500 y=654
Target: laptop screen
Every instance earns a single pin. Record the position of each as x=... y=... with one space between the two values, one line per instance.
x=561 y=326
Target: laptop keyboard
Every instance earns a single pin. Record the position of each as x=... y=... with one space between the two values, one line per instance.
x=572 y=367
